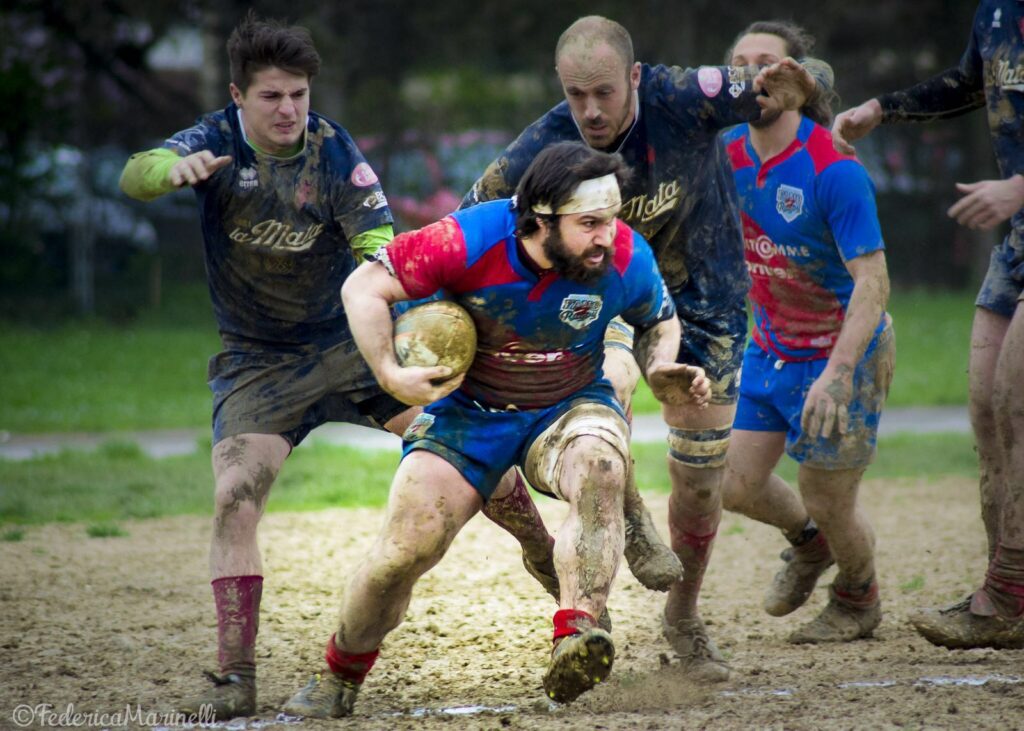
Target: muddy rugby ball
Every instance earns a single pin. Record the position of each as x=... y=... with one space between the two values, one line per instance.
x=436 y=333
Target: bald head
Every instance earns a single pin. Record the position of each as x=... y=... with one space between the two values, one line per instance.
x=594 y=61
x=591 y=32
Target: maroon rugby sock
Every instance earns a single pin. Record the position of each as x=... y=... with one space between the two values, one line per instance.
x=237 y=599
x=692 y=539
x=863 y=596
x=814 y=549
x=518 y=514
x=1003 y=591
x=352 y=666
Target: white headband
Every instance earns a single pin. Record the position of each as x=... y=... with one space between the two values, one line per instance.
x=590 y=195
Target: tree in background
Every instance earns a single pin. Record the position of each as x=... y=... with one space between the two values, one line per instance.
x=80 y=73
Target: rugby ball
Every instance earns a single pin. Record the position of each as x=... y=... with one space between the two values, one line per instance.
x=436 y=333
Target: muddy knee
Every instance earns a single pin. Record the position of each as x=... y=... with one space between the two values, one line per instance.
x=601 y=468
x=239 y=498
x=696 y=459
x=593 y=437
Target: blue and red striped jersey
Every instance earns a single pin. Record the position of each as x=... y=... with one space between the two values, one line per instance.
x=805 y=212
x=540 y=337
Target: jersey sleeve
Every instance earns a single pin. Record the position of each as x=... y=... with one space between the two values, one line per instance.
x=426 y=260
x=709 y=97
x=204 y=135
x=145 y=175
x=502 y=176
x=949 y=94
x=358 y=200
x=647 y=299
x=847 y=196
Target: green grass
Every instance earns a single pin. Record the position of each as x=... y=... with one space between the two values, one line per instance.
x=915 y=584
x=105 y=530
x=933 y=334
x=899 y=456
x=91 y=375
x=119 y=482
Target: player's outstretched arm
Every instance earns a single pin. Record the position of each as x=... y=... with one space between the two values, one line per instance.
x=196 y=168
x=368 y=294
x=671 y=383
x=988 y=203
x=153 y=173
x=855 y=123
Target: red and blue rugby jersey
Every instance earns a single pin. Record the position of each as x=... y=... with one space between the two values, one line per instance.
x=540 y=339
x=805 y=212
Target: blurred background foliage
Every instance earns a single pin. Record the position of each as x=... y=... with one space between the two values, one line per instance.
x=431 y=89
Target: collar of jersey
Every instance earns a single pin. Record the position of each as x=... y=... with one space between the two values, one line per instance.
x=299 y=150
x=803 y=132
x=520 y=268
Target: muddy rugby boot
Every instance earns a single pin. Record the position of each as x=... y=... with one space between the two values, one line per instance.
x=545 y=575
x=698 y=655
x=955 y=627
x=798 y=576
x=231 y=696
x=578 y=663
x=839 y=621
x=326 y=695
x=654 y=564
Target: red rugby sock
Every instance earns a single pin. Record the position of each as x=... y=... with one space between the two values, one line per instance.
x=352 y=666
x=237 y=599
x=571 y=622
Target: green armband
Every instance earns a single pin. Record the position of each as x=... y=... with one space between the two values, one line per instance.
x=145 y=175
x=366 y=244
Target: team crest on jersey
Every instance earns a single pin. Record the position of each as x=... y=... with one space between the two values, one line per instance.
x=248 y=179
x=579 y=310
x=789 y=202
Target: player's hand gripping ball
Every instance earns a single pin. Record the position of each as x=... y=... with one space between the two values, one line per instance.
x=436 y=333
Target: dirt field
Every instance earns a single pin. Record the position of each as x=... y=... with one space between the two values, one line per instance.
x=105 y=623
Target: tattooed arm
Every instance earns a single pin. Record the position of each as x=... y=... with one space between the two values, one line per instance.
x=826 y=406
x=671 y=383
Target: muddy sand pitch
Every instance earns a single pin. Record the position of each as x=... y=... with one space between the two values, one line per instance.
x=102 y=623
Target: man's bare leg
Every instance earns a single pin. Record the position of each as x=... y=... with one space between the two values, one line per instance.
x=987 y=335
x=696 y=465
x=513 y=510
x=650 y=560
x=853 y=610
x=750 y=487
x=429 y=504
x=993 y=616
x=587 y=553
x=244 y=467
